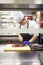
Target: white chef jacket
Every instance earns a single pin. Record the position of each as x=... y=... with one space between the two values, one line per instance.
x=32 y=24
x=18 y=16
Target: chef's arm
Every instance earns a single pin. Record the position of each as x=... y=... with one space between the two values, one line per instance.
x=33 y=38
x=20 y=37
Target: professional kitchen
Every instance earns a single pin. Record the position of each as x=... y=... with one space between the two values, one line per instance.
x=21 y=34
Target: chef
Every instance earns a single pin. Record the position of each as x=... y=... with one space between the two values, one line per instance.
x=21 y=20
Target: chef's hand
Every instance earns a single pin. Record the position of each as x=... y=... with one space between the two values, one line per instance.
x=20 y=37
x=26 y=42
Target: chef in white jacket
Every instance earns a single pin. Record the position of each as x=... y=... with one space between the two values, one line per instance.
x=21 y=20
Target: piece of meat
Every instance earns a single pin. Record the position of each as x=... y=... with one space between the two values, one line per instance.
x=18 y=45
x=22 y=45
x=15 y=45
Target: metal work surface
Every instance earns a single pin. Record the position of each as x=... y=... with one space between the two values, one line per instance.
x=15 y=58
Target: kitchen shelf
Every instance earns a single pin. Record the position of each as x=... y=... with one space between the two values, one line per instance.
x=21 y=6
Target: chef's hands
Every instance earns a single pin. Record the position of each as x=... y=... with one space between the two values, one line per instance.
x=20 y=37
x=26 y=42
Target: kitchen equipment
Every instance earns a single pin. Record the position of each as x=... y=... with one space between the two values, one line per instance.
x=41 y=24
x=29 y=17
x=8 y=47
x=8 y=38
x=40 y=38
x=41 y=58
x=36 y=46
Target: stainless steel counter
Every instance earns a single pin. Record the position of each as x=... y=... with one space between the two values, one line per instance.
x=16 y=58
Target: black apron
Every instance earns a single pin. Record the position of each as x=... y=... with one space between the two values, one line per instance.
x=26 y=36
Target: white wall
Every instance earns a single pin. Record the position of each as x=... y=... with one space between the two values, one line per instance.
x=22 y=1
x=37 y=1
x=17 y=1
x=25 y=1
x=7 y=1
x=13 y=31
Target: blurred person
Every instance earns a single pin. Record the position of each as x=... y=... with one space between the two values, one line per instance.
x=21 y=20
x=27 y=38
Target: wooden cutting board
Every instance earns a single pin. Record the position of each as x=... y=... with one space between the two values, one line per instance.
x=9 y=48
